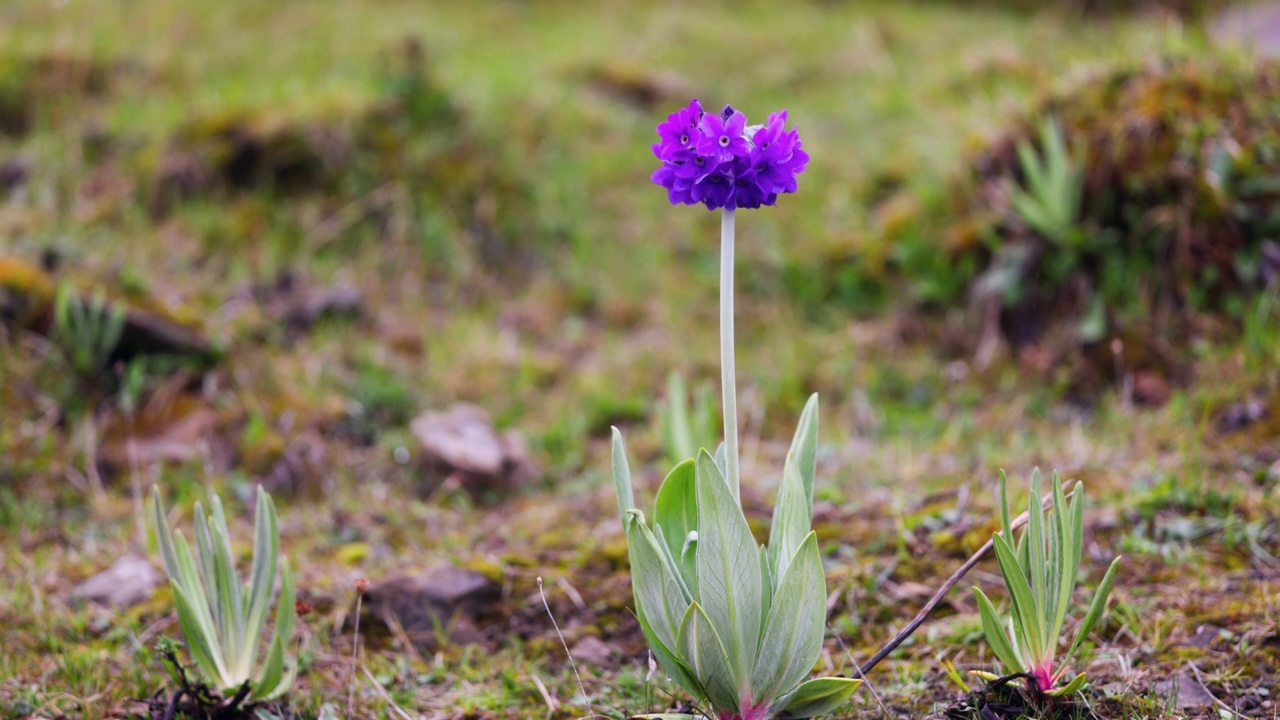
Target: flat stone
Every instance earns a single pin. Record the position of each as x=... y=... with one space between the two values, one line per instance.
x=446 y=596
x=129 y=581
x=461 y=443
x=1191 y=694
x=594 y=651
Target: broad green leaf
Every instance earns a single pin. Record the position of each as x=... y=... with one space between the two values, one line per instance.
x=729 y=581
x=819 y=697
x=622 y=479
x=689 y=563
x=676 y=507
x=768 y=584
x=677 y=570
x=721 y=459
x=700 y=646
x=1076 y=685
x=996 y=638
x=679 y=430
x=804 y=447
x=670 y=662
x=792 y=640
x=791 y=519
x=1023 y=603
x=1096 y=607
x=656 y=588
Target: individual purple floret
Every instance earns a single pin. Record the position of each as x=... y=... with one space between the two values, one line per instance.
x=721 y=162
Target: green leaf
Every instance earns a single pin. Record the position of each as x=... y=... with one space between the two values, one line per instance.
x=689 y=564
x=164 y=537
x=804 y=447
x=679 y=430
x=267 y=683
x=200 y=636
x=262 y=575
x=1076 y=685
x=1062 y=542
x=792 y=640
x=622 y=479
x=792 y=519
x=1006 y=526
x=819 y=697
x=729 y=580
x=657 y=591
x=1023 y=602
x=1035 y=536
x=1096 y=607
x=676 y=507
x=995 y=635
x=667 y=657
x=701 y=648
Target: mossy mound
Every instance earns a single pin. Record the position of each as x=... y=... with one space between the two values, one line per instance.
x=34 y=88
x=1174 y=225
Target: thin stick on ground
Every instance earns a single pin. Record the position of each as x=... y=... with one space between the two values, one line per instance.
x=572 y=664
x=1045 y=502
x=361 y=586
x=858 y=670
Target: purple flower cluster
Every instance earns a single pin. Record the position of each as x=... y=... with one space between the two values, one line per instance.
x=721 y=162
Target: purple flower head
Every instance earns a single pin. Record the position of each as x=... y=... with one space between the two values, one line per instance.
x=717 y=160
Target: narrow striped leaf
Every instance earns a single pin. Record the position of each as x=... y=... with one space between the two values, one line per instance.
x=1096 y=607
x=1023 y=603
x=1035 y=536
x=995 y=634
x=804 y=448
x=792 y=519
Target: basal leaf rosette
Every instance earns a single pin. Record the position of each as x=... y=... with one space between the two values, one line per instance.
x=737 y=624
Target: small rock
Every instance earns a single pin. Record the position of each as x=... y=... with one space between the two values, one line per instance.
x=446 y=597
x=129 y=581
x=1207 y=635
x=461 y=443
x=594 y=651
x=1191 y=694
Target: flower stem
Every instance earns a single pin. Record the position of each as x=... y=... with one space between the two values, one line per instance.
x=728 y=382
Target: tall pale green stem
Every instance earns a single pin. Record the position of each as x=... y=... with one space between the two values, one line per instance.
x=728 y=381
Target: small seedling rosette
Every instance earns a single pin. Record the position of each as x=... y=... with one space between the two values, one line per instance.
x=1040 y=573
x=223 y=619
